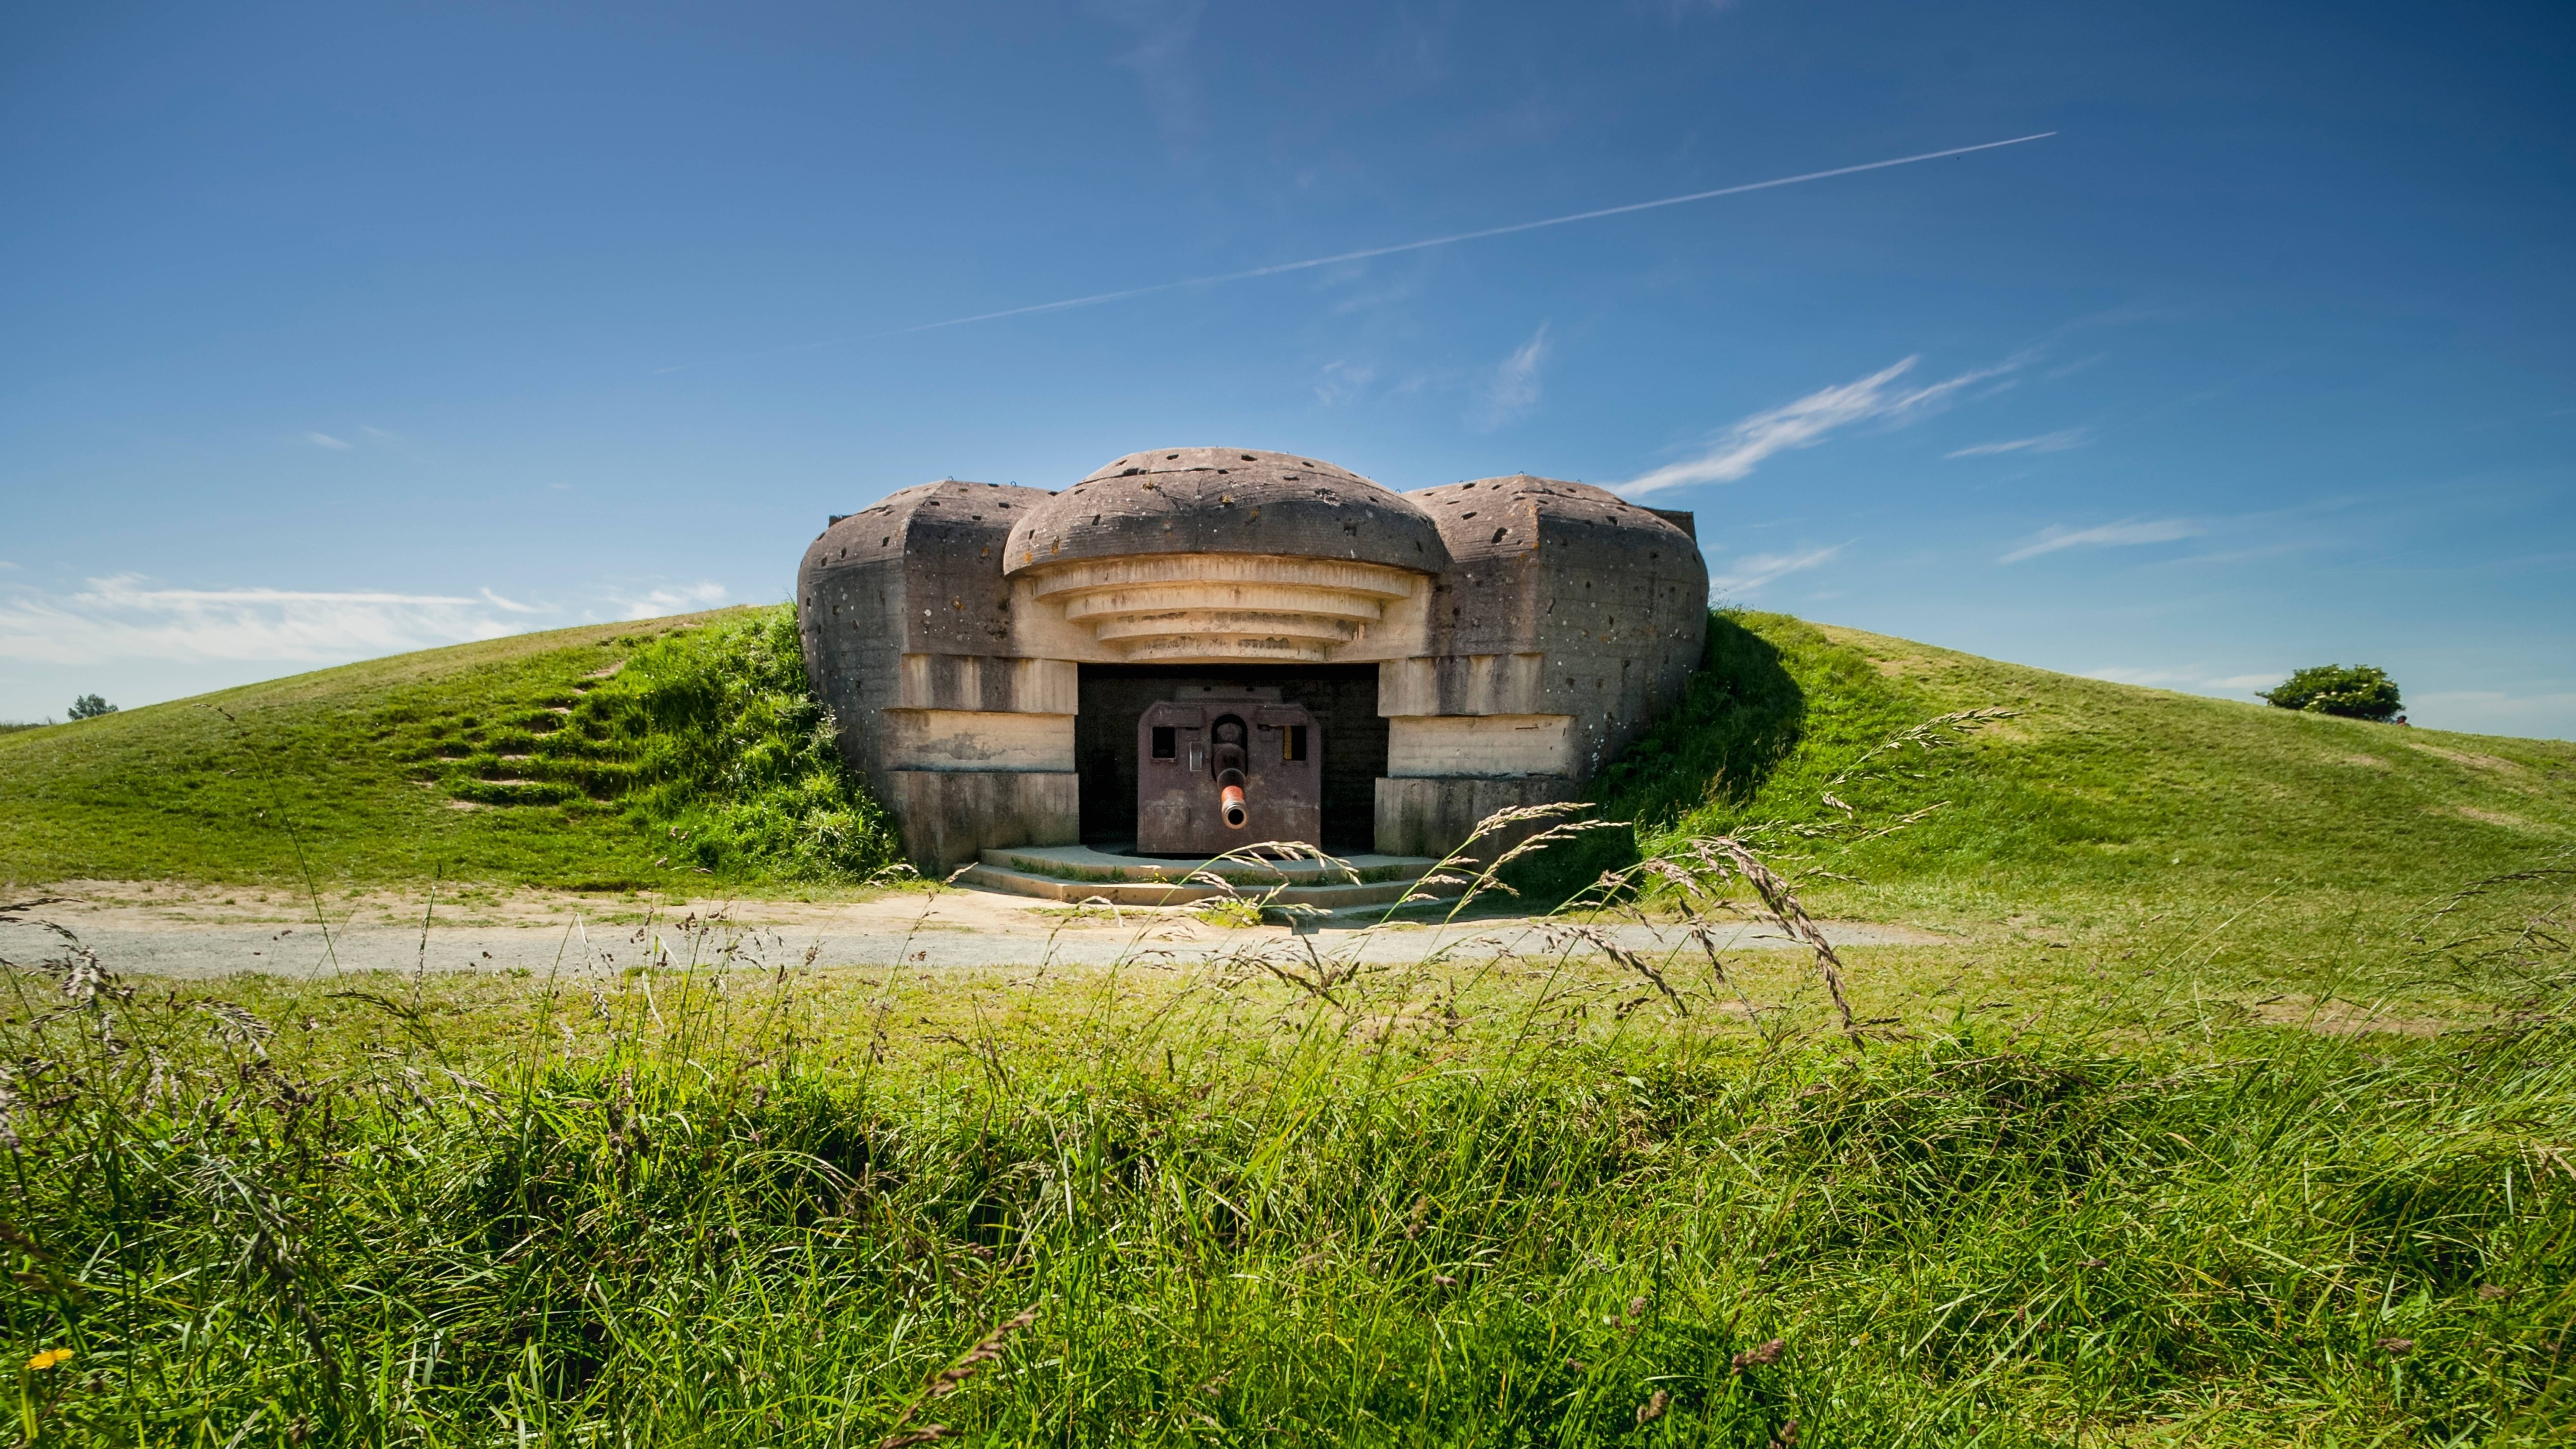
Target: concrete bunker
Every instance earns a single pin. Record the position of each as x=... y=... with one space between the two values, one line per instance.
x=995 y=656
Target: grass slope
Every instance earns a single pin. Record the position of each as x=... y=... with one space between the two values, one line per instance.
x=2090 y=802
x=605 y=757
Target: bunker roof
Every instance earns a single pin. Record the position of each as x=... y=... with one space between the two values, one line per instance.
x=1226 y=500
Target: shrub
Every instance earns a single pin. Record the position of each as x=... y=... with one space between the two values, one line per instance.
x=2361 y=691
x=90 y=706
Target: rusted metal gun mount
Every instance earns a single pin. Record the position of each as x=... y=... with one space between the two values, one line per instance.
x=1216 y=774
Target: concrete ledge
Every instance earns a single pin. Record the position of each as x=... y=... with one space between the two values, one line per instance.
x=1433 y=817
x=970 y=740
x=1128 y=892
x=1081 y=864
x=946 y=816
x=1479 y=746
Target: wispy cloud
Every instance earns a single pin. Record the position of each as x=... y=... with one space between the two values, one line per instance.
x=2124 y=534
x=325 y=440
x=1164 y=31
x=2044 y=443
x=676 y=600
x=129 y=617
x=124 y=617
x=1514 y=388
x=1340 y=382
x=2545 y=707
x=1734 y=452
x=2192 y=678
x=1162 y=48
x=1752 y=571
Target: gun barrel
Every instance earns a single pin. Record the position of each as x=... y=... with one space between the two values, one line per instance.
x=1231 y=798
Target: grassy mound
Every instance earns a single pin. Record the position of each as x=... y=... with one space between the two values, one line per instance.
x=1904 y=781
x=771 y=1207
x=607 y=757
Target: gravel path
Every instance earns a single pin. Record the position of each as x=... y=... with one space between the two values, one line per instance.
x=958 y=929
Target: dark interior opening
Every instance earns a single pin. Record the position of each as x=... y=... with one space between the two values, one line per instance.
x=1342 y=697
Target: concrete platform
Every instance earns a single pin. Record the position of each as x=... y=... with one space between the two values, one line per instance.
x=1073 y=873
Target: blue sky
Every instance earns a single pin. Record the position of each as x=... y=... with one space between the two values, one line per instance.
x=333 y=330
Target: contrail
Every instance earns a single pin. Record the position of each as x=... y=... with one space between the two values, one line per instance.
x=1337 y=258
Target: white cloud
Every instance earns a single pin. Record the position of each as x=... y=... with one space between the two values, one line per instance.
x=2044 y=443
x=125 y=618
x=325 y=440
x=2194 y=678
x=1340 y=382
x=2109 y=535
x=2548 y=711
x=681 y=600
x=1164 y=32
x=1736 y=451
x=2546 y=707
x=1513 y=389
x=1752 y=571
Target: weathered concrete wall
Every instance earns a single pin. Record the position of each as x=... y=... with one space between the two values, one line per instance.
x=903 y=610
x=970 y=741
x=1481 y=746
x=1435 y=817
x=1561 y=601
x=949 y=816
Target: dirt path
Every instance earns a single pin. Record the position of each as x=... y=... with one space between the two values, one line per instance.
x=200 y=934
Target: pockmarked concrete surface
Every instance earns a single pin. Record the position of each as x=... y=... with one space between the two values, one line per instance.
x=200 y=936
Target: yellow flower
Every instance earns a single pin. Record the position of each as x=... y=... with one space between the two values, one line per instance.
x=48 y=1359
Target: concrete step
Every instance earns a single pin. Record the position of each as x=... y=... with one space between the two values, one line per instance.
x=1078 y=873
x=1104 y=867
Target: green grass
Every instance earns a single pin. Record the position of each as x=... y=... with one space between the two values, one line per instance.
x=1516 y=1202
x=2092 y=809
x=607 y=757
x=2241 y=1109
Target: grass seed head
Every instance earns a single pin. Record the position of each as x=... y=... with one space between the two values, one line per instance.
x=1761 y=1357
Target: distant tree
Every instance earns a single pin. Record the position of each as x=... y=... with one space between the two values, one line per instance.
x=90 y=706
x=2360 y=692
